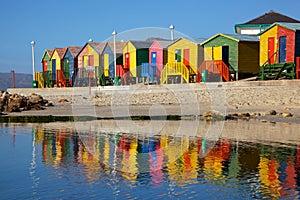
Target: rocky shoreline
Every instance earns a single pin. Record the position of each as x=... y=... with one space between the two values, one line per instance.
x=272 y=101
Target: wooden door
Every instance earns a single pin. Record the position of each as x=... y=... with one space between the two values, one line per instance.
x=271 y=48
x=66 y=67
x=127 y=60
x=153 y=58
x=54 y=69
x=282 y=49
x=225 y=54
x=186 y=57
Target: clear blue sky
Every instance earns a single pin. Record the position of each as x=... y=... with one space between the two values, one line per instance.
x=60 y=23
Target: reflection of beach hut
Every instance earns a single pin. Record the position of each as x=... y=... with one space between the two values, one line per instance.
x=226 y=54
x=70 y=64
x=279 y=51
x=134 y=54
x=184 y=57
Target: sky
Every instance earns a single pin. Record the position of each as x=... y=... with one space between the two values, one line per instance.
x=62 y=23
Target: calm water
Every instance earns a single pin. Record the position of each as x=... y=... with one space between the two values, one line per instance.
x=43 y=163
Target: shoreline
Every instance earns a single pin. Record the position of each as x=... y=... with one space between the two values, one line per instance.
x=256 y=98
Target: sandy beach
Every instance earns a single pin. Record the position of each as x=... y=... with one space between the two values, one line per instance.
x=259 y=97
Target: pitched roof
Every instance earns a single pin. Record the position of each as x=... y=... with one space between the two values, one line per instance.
x=163 y=43
x=98 y=46
x=73 y=50
x=292 y=26
x=47 y=51
x=236 y=37
x=119 y=46
x=140 y=44
x=272 y=17
x=60 y=52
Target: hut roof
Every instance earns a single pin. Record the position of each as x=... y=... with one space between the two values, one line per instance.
x=236 y=37
x=60 y=52
x=292 y=26
x=140 y=44
x=98 y=46
x=272 y=17
x=74 y=50
x=119 y=46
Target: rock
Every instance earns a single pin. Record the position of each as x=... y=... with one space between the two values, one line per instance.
x=63 y=101
x=272 y=112
x=284 y=115
x=49 y=104
x=286 y=108
x=35 y=99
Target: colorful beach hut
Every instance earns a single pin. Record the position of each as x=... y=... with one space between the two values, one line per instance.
x=135 y=53
x=70 y=64
x=90 y=71
x=119 y=60
x=46 y=69
x=280 y=51
x=58 y=77
x=229 y=55
x=184 y=57
x=158 y=57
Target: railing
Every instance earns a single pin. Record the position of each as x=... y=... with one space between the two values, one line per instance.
x=176 y=68
x=215 y=67
x=39 y=78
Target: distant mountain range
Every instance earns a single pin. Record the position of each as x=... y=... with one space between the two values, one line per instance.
x=22 y=81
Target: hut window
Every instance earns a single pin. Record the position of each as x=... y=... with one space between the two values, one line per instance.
x=178 y=55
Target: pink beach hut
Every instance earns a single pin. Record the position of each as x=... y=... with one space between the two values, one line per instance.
x=158 y=56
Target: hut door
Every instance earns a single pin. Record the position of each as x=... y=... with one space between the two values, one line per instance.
x=127 y=60
x=45 y=65
x=225 y=54
x=66 y=70
x=153 y=58
x=186 y=57
x=282 y=49
x=54 y=69
x=271 y=48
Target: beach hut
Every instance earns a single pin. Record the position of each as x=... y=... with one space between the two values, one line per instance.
x=184 y=57
x=58 y=77
x=158 y=57
x=119 y=60
x=46 y=67
x=134 y=54
x=90 y=71
x=229 y=55
x=70 y=64
x=280 y=51
x=260 y=23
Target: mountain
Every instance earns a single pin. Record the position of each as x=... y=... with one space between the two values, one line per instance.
x=22 y=81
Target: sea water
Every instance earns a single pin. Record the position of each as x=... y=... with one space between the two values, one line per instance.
x=57 y=161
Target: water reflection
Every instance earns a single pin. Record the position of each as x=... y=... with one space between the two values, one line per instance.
x=261 y=170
